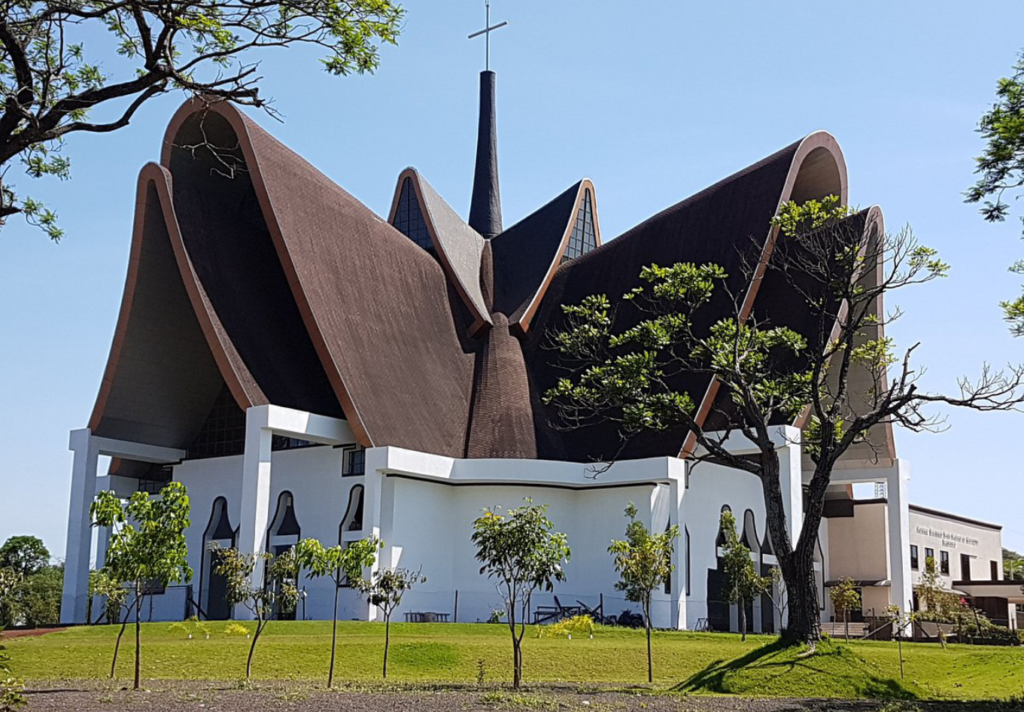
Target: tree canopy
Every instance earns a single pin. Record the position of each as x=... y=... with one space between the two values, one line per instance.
x=53 y=76
x=25 y=555
x=1001 y=168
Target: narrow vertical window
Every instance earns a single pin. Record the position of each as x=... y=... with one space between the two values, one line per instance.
x=914 y=563
x=583 y=238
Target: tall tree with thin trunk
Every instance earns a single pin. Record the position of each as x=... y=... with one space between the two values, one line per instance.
x=644 y=563
x=384 y=589
x=841 y=380
x=277 y=593
x=52 y=77
x=845 y=598
x=521 y=551
x=742 y=582
x=147 y=548
x=343 y=565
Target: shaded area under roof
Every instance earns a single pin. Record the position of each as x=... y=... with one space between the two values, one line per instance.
x=525 y=252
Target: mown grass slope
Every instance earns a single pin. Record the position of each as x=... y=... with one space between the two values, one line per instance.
x=692 y=663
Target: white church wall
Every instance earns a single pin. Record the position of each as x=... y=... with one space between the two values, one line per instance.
x=446 y=556
x=711 y=488
x=313 y=476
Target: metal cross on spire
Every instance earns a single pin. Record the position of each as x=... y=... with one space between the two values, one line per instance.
x=486 y=32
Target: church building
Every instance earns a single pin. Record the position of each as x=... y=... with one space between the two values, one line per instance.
x=308 y=368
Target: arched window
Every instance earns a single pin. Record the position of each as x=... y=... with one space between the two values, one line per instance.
x=284 y=529
x=750 y=539
x=213 y=586
x=721 y=540
x=353 y=519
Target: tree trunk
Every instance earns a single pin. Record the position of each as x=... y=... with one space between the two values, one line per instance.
x=743 y=621
x=846 y=625
x=387 y=642
x=117 y=647
x=138 y=640
x=804 y=617
x=334 y=636
x=252 y=648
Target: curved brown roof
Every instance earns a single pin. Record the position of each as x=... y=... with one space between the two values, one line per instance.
x=716 y=226
x=458 y=246
x=162 y=377
x=250 y=267
x=373 y=303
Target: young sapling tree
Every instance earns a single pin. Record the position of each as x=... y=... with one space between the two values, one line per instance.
x=343 y=565
x=278 y=590
x=147 y=546
x=644 y=563
x=384 y=589
x=521 y=551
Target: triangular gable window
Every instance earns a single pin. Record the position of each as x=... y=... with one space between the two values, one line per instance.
x=409 y=217
x=584 y=236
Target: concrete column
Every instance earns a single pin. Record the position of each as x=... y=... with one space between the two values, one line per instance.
x=255 y=502
x=74 y=601
x=791 y=481
x=373 y=500
x=898 y=512
x=676 y=489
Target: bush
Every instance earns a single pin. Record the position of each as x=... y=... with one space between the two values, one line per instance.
x=581 y=625
x=236 y=629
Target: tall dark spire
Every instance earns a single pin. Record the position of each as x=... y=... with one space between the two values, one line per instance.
x=485 y=207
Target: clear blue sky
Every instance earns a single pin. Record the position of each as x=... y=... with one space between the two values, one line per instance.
x=652 y=101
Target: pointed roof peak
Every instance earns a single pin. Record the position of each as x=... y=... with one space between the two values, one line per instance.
x=485 y=206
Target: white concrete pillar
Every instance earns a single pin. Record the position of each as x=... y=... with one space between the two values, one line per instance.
x=255 y=500
x=901 y=591
x=677 y=489
x=74 y=601
x=791 y=481
x=373 y=503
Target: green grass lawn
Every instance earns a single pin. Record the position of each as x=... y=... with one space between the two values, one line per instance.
x=684 y=662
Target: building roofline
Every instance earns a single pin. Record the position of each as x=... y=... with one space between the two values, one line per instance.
x=955 y=517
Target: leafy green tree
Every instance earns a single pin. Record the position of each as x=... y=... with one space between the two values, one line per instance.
x=939 y=603
x=26 y=555
x=52 y=77
x=278 y=591
x=147 y=546
x=343 y=565
x=1013 y=565
x=622 y=368
x=1001 y=168
x=114 y=595
x=385 y=589
x=38 y=597
x=35 y=600
x=742 y=582
x=845 y=598
x=523 y=553
x=644 y=563
x=11 y=688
